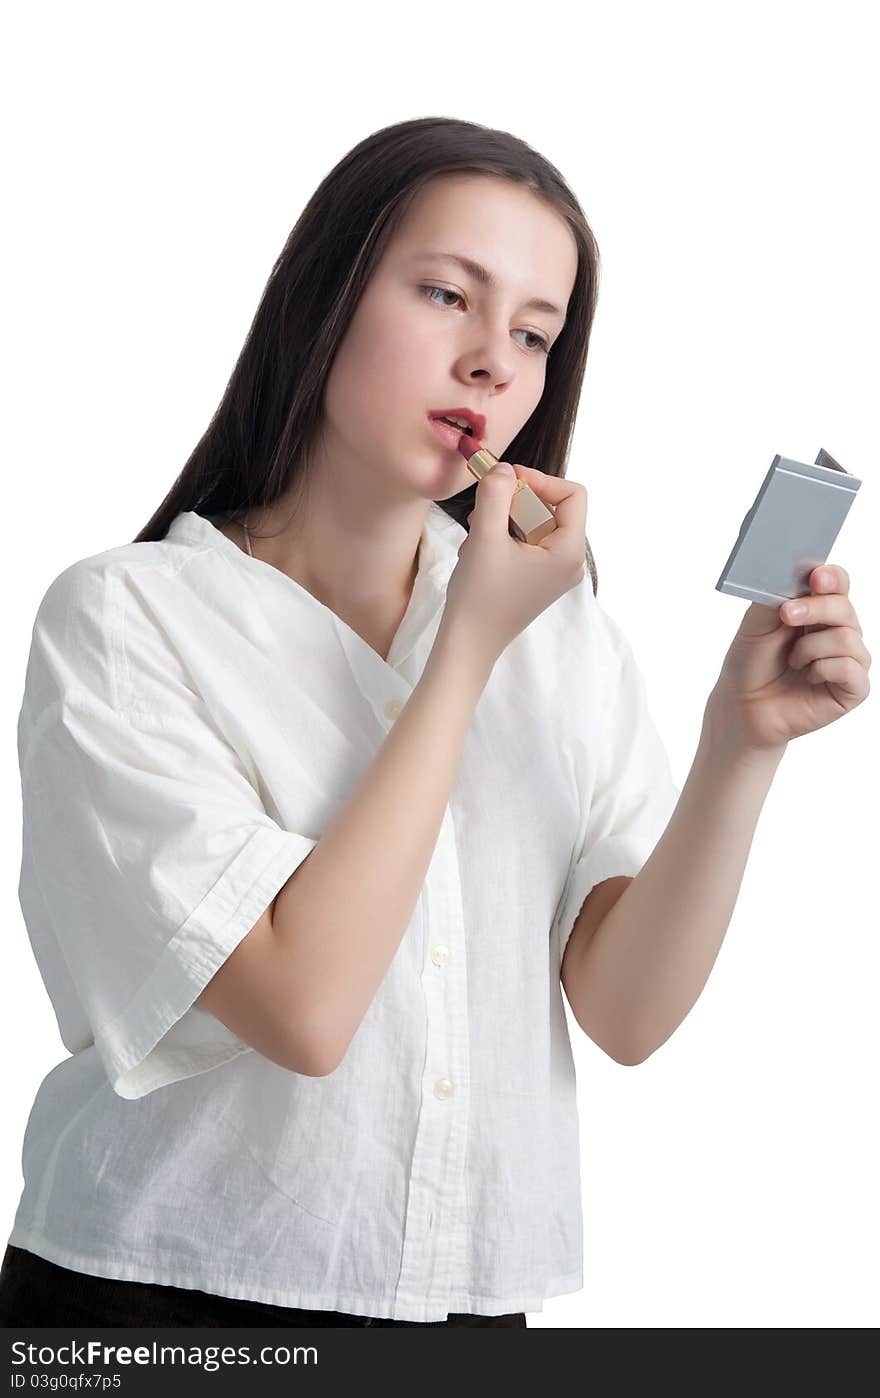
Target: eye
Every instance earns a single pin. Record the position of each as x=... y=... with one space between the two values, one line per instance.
x=543 y=345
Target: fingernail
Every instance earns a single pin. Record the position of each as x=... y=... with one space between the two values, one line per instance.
x=504 y=467
x=795 y=610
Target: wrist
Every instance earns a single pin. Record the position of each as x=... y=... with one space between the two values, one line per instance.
x=456 y=646
x=463 y=663
x=722 y=742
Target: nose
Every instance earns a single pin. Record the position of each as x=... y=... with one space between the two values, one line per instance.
x=490 y=352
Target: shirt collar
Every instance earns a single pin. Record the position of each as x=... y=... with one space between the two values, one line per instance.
x=438 y=546
x=439 y=542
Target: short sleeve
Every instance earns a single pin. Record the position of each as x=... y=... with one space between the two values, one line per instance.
x=628 y=792
x=147 y=853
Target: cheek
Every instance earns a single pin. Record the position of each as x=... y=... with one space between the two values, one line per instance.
x=387 y=362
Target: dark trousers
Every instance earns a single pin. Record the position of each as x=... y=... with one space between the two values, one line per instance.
x=34 y=1291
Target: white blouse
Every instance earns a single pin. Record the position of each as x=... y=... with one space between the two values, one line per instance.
x=192 y=721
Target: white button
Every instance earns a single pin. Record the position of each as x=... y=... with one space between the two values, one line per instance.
x=443 y=1088
x=440 y=956
x=393 y=708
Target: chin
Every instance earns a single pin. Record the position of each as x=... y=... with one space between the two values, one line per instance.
x=453 y=494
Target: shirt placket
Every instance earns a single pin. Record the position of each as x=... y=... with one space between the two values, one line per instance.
x=434 y=1242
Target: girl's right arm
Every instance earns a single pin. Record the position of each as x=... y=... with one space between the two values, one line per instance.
x=298 y=985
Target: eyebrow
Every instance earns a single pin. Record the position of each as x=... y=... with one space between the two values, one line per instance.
x=481 y=274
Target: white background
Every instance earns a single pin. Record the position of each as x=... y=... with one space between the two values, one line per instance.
x=155 y=159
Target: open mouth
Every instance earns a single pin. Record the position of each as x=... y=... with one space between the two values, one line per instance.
x=469 y=431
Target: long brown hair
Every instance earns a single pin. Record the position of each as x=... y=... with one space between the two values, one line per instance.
x=257 y=444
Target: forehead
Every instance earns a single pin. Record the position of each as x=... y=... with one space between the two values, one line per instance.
x=497 y=223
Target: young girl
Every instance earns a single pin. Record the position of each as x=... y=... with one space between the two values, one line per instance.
x=325 y=795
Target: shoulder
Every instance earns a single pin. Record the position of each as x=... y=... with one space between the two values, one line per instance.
x=93 y=616
x=589 y=667
x=81 y=581
x=582 y=633
x=91 y=591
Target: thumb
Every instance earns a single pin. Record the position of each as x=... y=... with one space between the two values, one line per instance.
x=492 y=498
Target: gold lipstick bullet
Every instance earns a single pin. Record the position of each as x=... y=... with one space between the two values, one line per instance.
x=530 y=518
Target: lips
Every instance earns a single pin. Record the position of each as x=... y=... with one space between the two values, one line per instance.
x=475 y=421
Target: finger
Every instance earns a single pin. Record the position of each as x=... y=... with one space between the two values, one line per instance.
x=827 y=609
x=829 y=642
x=551 y=489
x=842 y=671
x=492 y=501
x=830 y=577
x=557 y=493
x=566 y=500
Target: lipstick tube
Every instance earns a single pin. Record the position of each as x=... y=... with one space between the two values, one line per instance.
x=530 y=518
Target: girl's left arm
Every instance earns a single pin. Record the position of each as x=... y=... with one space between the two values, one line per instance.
x=633 y=978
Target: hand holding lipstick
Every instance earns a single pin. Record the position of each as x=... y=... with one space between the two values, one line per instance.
x=530 y=520
x=500 y=584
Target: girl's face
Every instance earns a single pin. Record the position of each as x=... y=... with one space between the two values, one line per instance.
x=428 y=335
